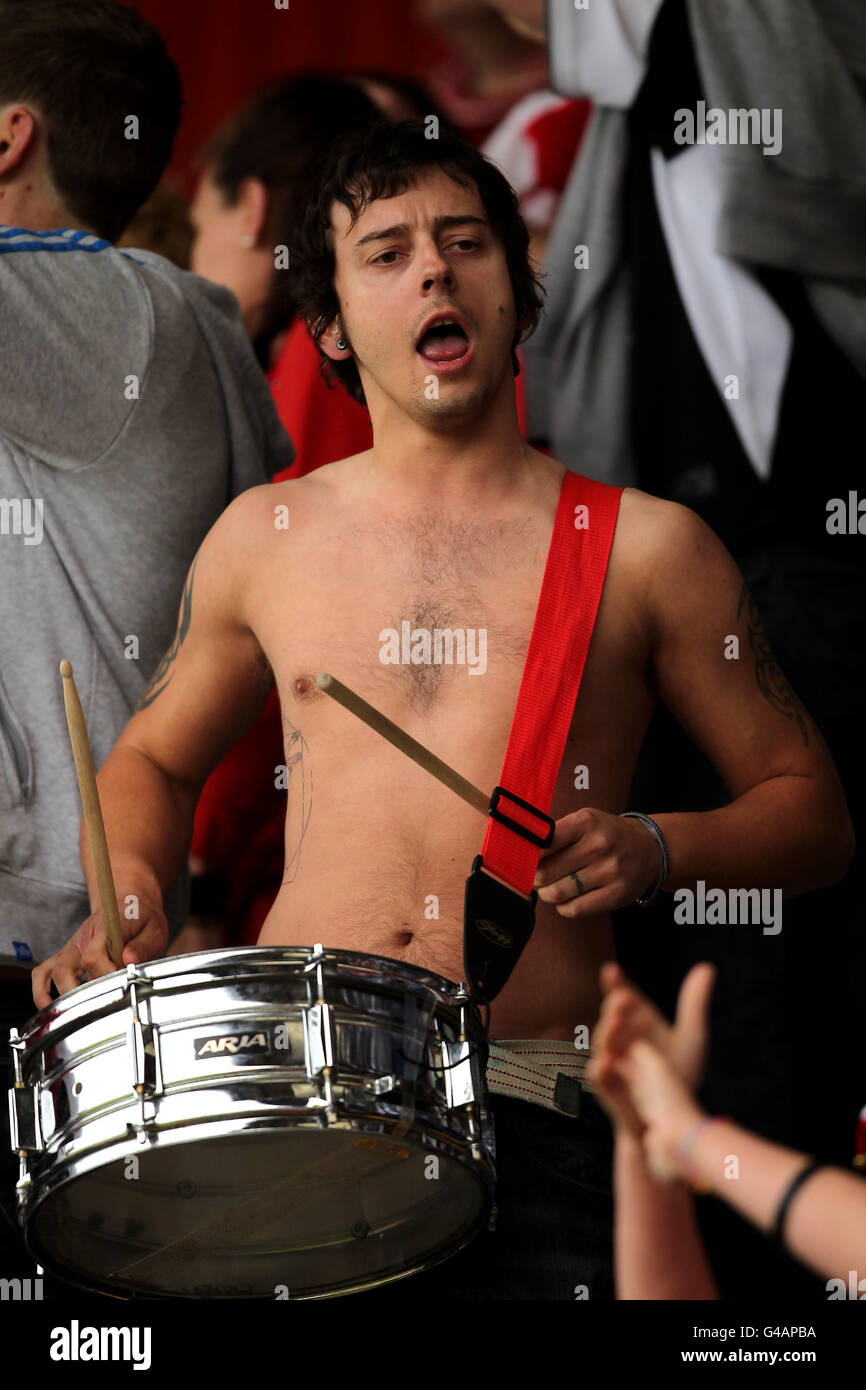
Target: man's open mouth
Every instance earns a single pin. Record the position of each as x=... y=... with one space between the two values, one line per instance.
x=444 y=341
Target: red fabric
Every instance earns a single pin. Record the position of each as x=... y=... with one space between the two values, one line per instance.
x=556 y=136
x=535 y=146
x=323 y=423
x=226 y=50
x=570 y=594
x=475 y=116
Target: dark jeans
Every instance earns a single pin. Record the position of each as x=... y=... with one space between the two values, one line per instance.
x=554 y=1227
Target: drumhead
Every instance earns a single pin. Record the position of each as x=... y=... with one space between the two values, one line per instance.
x=295 y=1213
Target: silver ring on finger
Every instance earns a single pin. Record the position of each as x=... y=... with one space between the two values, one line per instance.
x=581 y=888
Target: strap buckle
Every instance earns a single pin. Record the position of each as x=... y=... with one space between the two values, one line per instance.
x=542 y=841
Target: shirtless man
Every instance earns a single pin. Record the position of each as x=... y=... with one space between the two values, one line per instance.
x=446 y=522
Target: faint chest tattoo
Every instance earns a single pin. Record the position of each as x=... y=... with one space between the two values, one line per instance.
x=299 y=796
x=770 y=678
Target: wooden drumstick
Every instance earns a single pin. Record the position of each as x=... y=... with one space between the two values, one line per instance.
x=406 y=744
x=92 y=815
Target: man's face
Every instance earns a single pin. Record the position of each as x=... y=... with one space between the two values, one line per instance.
x=427 y=252
x=217 y=253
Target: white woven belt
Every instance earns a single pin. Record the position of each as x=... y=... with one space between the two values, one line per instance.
x=543 y=1071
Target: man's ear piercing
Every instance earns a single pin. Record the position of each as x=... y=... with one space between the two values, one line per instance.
x=342 y=344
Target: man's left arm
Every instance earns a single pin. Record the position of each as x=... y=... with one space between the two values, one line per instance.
x=787 y=825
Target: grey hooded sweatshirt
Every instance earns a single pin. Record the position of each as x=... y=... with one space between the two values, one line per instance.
x=132 y=411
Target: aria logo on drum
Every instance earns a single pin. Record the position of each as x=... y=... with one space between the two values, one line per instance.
x=233 y=1043
x=494 y=933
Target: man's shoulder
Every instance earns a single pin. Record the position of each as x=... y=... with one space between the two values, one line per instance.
x=328 y=483
x=655 y=526
x=669 y=555
x=266 y=513
x=661 y=547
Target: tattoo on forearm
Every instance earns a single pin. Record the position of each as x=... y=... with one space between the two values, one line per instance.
x=299 y=797
x=769 y=676
x=163 y=673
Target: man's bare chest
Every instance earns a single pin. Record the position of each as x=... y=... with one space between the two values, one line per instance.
x=432 y=626
x=417 y=616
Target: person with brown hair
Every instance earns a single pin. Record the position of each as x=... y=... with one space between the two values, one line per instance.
x=411 y=269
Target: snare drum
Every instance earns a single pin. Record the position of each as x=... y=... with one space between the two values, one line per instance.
x=252 y=1123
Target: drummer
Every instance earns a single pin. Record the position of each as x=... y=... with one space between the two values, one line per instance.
x=418 y=294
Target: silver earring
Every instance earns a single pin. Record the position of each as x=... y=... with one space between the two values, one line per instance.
x=342 y=344
x=247 y=241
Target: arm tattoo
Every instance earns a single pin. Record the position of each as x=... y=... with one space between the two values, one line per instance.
x=163 y=672
x=768 y=674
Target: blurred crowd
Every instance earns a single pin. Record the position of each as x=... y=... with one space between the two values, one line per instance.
x=704 y=339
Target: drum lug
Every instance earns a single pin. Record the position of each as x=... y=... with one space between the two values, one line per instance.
x=316 y=1038
x=143 y=1041
x=457 y=1070
x=318 y=1035
x=25 y=1127
x=25 y=1123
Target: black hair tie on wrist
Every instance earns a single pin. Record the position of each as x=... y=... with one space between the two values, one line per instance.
x=794 y=1186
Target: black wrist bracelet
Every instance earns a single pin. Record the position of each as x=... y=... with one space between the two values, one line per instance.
x=652 y=893
x=778 y=1232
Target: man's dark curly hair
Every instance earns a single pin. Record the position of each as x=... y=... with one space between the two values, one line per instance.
x=382 y=160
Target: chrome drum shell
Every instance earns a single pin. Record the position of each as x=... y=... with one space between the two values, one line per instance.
x=264 y=1122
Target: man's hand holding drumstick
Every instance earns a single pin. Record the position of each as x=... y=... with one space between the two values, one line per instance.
x=144 y=938
x=596 y=862
x=122 y=929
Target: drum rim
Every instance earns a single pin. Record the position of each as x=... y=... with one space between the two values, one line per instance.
x=169 y=967
x=128 y=1294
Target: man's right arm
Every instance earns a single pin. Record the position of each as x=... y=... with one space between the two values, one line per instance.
x=206 y=692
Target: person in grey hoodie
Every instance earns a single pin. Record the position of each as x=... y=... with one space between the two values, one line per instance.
x=132 y=411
